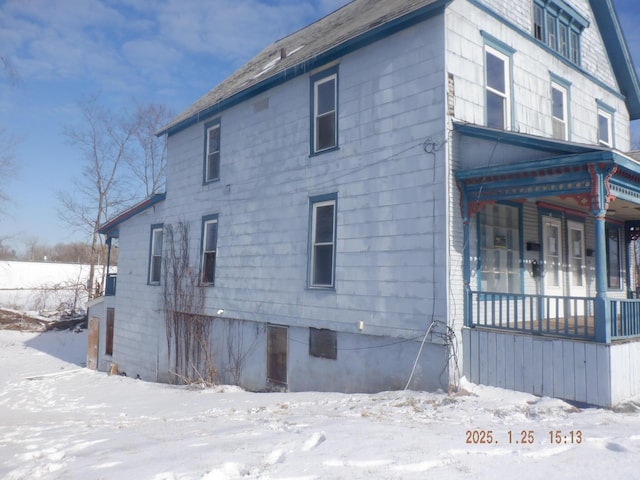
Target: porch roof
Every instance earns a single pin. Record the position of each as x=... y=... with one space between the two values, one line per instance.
x=111 y=227
x=502 y=165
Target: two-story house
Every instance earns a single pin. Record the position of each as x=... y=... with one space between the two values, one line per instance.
x=393 y=196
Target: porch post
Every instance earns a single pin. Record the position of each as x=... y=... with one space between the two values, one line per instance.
x=600 y=203
x=106 y=272
x=466 y=264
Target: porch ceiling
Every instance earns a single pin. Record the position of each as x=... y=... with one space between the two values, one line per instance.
x=619 y=209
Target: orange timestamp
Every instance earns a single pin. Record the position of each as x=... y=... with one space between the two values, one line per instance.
x=523 y=437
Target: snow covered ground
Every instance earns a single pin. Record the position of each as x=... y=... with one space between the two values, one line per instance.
x=59 y=420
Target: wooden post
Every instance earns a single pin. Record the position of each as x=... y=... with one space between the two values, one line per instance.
x=92 y=347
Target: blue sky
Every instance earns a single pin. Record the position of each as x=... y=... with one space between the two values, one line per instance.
x=164 y=51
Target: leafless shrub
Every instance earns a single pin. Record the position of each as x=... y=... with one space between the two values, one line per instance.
x=188 y=329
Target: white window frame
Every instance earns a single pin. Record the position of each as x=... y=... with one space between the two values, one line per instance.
x=564 y=121
x=314 y=244
x=317 y=116
x=608 y=117
x=210 y=220
x=155 y=255
x=506 y=95
x=210 y=176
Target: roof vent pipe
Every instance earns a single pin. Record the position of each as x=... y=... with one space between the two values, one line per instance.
x=283 y=53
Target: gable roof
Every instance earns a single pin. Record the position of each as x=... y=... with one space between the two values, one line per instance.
x=618 y=52
x=351 y=27
x=360 y=23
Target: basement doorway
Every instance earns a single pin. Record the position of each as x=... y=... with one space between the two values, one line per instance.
x=277 y=349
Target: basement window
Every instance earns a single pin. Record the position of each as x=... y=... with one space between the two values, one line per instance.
x=323 y=343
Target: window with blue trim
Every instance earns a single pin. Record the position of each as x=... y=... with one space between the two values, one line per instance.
x=155 y=254
x=212 y=151
x=558 y=26
x=324 y=106
x=209 y=249
x=560 y=108
x=605 y=124
x=498 y=85
x=322 y=241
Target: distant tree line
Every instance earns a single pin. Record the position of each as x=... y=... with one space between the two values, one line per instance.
x=73 y=252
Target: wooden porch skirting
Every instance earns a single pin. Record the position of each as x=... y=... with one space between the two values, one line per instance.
x=567 y=368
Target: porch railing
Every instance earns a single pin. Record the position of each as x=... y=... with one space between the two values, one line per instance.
x=551 y=315
x=533 y=314
x=625 y=318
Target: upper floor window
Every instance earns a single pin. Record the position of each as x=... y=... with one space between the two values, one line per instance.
x=498 y=86
x=212 y=151
x=209 y=249
x=604 y=128
x=605 y=124
x=560 y=108
x=324 y=100
x=322 y=241
x=155 y=254
x=558 y=25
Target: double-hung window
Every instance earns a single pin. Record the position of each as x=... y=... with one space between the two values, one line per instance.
x=560 y=108
x=559 y=26
x=212 y=151
x=209 y=249
x=322 y=241
x=605 y=124
x=498 y=88
x=324 y=110
x=155 y=254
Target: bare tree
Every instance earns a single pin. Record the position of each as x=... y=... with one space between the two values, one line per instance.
x=6 y=252
x=149 y=166
x=35 y=251
x=104 y=139
x=8 y=143
x=9 y=69
x=7 y=163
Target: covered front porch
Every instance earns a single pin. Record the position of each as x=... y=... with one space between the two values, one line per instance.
x=549 y=248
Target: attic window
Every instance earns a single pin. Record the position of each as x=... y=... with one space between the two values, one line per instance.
x=559 y=26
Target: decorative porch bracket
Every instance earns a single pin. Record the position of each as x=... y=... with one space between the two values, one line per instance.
x=601 y=197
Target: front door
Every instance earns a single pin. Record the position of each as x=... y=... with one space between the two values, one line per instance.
x=552 y=262
x=577 y=277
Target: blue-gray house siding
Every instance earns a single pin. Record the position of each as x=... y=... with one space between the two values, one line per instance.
x=410 y=108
